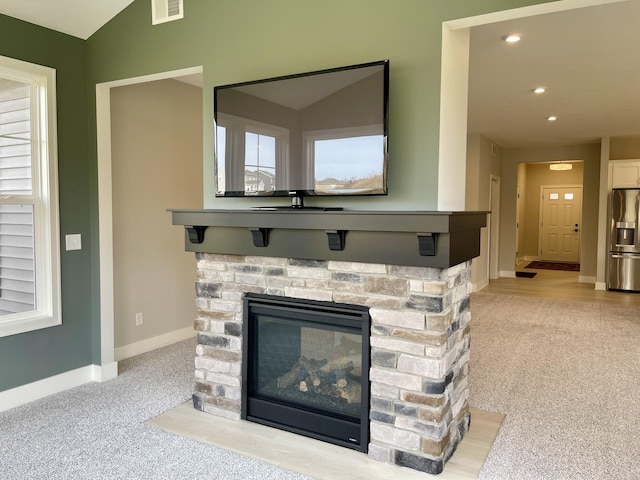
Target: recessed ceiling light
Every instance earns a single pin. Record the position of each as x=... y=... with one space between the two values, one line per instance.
x=539 y=90
x=552 y=118
x=512 y=38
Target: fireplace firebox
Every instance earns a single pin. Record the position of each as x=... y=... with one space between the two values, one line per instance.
x=306 y=368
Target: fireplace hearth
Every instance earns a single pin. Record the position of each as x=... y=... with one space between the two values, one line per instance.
x=305 y=368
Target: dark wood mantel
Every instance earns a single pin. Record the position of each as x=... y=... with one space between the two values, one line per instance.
x=413 y=238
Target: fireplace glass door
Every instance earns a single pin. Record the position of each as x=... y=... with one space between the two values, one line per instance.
x=306 y=366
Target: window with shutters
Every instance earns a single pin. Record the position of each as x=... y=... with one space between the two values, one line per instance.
x=29 y=246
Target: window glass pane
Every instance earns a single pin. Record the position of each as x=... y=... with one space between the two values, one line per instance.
x=15 y=138
x=568 y=196
x=554 y=196
x=259 y=162
x=17 y=286
x=352 y=156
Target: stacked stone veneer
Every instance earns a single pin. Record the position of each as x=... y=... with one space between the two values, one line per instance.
x=419 y=344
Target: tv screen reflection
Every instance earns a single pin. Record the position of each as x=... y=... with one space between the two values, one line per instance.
x=323 y=133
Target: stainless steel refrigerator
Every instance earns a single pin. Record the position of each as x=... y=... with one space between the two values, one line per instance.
x=624 y=256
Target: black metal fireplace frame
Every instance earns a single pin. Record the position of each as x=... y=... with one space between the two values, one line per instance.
x=325 y=426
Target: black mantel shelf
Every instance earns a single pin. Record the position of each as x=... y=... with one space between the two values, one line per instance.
x=413 y=238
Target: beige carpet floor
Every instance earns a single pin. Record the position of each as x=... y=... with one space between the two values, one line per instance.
x=567 y=377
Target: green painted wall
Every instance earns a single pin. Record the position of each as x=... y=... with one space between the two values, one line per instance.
x=240 y=40
x=32 y=356
x=234 y=40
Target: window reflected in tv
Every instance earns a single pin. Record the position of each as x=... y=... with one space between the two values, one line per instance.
x=319 y=133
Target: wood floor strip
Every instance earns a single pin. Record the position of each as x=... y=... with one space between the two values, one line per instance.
x=327 y=461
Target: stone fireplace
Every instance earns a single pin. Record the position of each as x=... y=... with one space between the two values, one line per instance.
x=419 y=312
x=419 y=344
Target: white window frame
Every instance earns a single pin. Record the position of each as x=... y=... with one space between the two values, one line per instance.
x=310 y=137
x=236 y=128
x=44 y=198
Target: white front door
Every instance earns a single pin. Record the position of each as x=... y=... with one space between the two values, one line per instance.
x=561 y=211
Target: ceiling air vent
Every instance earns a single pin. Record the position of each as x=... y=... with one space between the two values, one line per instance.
x=166 y=11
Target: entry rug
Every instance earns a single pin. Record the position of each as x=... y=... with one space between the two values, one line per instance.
x=567 y=267
x=526 y=274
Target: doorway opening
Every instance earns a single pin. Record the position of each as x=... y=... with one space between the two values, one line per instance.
x=549 y=221
x=108 y=355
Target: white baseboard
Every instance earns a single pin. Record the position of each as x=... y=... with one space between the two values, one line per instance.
x=58 y=383
x=153 y=343
x=91 y=373
x=507 y=273
x=476 y=287
x=601 y=286
x=102 y=373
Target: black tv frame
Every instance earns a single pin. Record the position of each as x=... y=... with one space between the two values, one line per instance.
x=297 y=195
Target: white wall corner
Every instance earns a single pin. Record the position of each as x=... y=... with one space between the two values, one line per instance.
x=507 y=273
x=454 y=87
x=476 y=287
x=586 y=279
x=103 y=373
x=603 y=214
x=601 y=286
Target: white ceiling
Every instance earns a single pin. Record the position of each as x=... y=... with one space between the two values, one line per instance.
x=78 y=18
x=587 y=58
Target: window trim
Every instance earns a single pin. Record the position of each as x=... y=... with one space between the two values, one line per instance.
x=44 y=198
x=236 y=127
x=311 y=136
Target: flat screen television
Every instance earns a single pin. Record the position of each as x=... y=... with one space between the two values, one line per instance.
x=316 y=133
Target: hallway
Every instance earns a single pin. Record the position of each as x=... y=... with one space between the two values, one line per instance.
x=557 y=284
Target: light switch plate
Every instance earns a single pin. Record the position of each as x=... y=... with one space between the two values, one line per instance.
x=73 y=241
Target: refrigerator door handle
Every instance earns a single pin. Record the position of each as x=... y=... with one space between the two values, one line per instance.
x=632 y=256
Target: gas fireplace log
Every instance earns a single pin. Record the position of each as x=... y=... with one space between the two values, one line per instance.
x=312 y=367
x=346 y=359
x=301 y=369
x=343 y=365
x=351 y=391
x=293 y=376
x=328 y=390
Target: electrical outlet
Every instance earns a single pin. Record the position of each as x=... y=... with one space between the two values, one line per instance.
x=139 y=319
